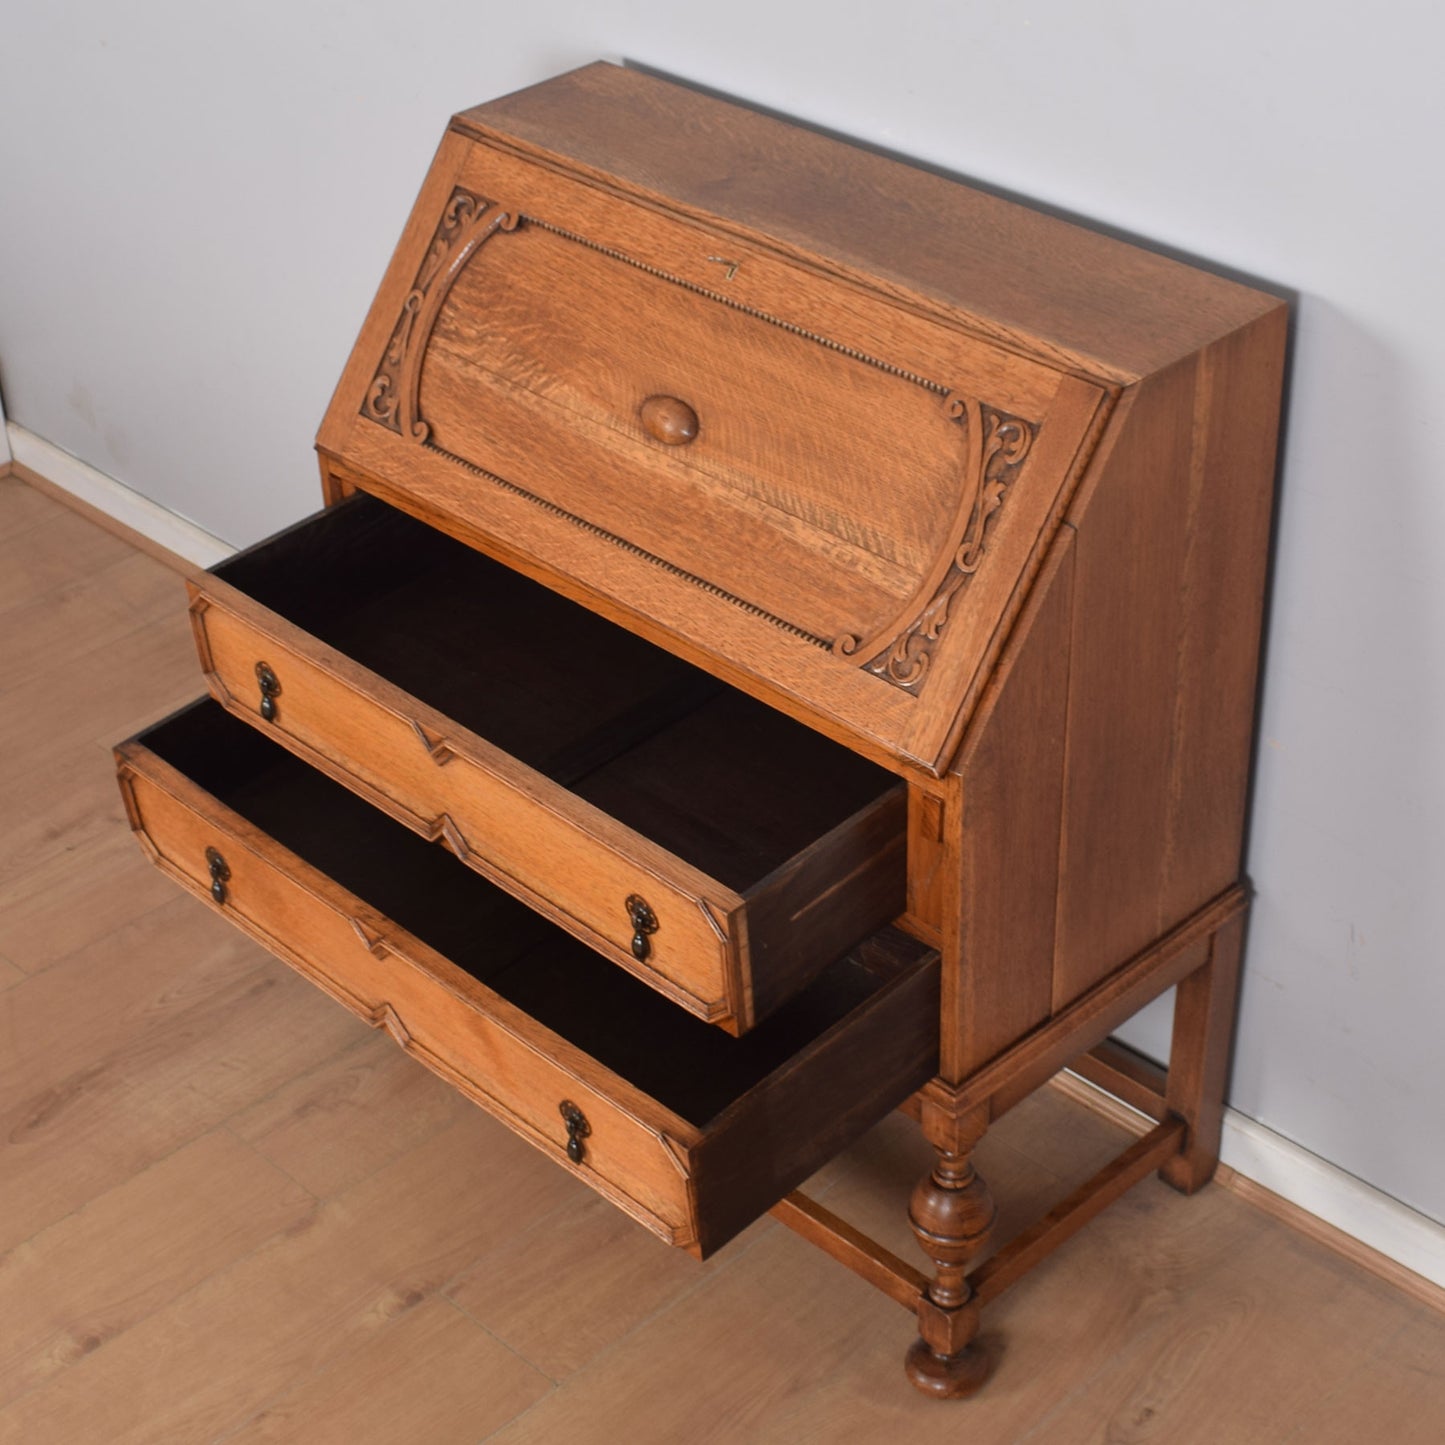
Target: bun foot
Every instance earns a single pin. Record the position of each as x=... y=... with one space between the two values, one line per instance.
x=947 y=1377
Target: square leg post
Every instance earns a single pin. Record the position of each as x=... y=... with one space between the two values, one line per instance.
x=1204 y=1009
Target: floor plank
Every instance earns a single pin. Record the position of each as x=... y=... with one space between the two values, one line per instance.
x=53 y=806
x=105 y=697
x=431 y=1376
x=1395 y=1393
x=58 y=549
x=24 y=507
x=74 y=1287
x=65 y=626
x=99 y=882
x=616 y=1275
x=350 y=1116
x=1259 y=1342
x=308 y=1300
x=235 y=1025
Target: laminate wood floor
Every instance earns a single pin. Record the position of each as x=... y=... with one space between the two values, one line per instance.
x=230 y=1212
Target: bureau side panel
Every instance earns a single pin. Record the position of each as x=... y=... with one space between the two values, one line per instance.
x=1172 y=531
x=1000 y=907
x=1223 y=582
x=821 y=1100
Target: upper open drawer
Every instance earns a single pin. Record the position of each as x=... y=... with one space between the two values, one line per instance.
x=827 y=494
x=719 y=850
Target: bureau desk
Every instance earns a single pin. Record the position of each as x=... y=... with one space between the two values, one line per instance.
x=779 y=647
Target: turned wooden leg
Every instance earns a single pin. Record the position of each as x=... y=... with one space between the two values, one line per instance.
x=951 y=1213
x=1199 y=1057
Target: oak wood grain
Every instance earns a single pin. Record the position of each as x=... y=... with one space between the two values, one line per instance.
x=1000 y=917
x=1033 y=280
x=819 y=567
x=1200 y=1050
x=1021 y=1254
x=1121 y=704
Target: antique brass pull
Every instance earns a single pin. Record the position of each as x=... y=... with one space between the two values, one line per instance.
x=644 y=921
x=578 y=1129
x=270 y=689
x=220 y=874
x=669 y=420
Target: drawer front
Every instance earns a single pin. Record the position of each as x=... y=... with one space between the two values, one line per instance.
x=694 y=1185
x=453 y=1025
x=534 y=838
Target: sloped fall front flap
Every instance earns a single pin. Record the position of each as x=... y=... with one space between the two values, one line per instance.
x=831 y=495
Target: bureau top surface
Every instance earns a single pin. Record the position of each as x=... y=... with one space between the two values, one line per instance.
x=1043 y=284
x=801 y=413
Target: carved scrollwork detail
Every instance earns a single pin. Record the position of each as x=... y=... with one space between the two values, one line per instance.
x=466 y=222
x=996 y=444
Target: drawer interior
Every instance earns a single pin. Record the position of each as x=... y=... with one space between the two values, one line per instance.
x=714 y=776
x=685 y=1064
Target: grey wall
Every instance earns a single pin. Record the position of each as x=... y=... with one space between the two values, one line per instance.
x=196 y=202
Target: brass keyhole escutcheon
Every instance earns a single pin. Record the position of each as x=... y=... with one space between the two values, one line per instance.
x=220 y=874
x=270 y=689
x=578 y=1129
x=669 y=420
x=644 y=921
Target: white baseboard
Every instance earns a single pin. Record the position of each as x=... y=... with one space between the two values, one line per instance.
x=1311 y=1193
x=114 y=498
x=1304 y=1180
x=1342 y=1200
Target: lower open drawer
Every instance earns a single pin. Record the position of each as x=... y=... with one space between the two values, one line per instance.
x=692 y=1131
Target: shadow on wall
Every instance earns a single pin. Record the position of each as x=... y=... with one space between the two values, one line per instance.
x=1338 y=1043
x=1004 y=193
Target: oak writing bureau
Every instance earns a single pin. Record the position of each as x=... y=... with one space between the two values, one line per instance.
x=780 y=646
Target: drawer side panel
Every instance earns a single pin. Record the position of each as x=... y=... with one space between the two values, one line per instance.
x=792 y=1124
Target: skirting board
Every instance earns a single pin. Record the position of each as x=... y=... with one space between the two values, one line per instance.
x=1258 y=1163
x=1318 y=1198
x=101 y=493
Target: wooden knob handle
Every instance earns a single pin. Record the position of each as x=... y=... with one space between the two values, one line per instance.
x=668 y=420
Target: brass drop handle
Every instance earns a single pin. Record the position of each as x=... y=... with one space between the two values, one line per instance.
x=578 y=1129
x=669 y=420
x=220 y=874
x=644 y=922
x=270 y=688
